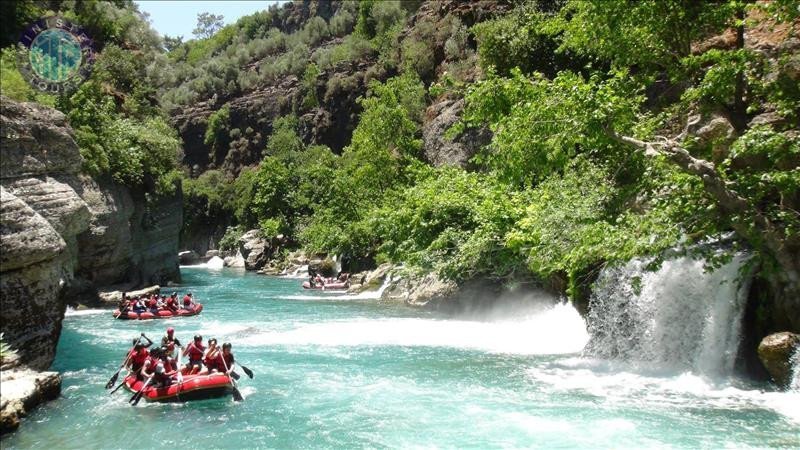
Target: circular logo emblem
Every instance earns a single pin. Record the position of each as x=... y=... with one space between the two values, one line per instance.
x=55 y=55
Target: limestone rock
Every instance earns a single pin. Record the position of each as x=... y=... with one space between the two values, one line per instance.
x=441 y=151
x=235 y=262
x=55 y=201
x=106 y=246
x=36 y=141
x=23 y=390
x=719 y=134
x=776 y=352
x=212 y=253
x=370 y=281
x=255 y=249
x=33 y=269
x=131 y=238
x=420 y=290
x=27 y=237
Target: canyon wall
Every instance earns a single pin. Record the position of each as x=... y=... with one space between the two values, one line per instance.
x=64 y=234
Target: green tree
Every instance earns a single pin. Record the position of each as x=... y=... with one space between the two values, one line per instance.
x=207 y=25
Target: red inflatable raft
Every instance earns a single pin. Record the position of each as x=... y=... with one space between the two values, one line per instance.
x=193 y=387
x=162 y=314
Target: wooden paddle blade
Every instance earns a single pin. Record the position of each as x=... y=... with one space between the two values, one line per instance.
x=237 y=396
x=247 y=371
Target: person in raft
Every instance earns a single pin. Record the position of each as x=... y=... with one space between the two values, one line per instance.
x=155 y=368
x=124 y=304
x=138 y=355
x=138 y=305
x=172 y=302
x=211 y=355
x=152 y=304
x=195 y=350
x=170 y=338
x=227 y=356
x=169 y=342
x=188 y=301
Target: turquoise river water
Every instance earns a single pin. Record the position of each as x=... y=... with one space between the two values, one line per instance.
x=338 y=371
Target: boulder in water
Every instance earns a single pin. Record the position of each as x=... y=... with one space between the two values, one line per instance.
x=188 y=257
x=215 y=263
x=255 y=249
x=235 y=262
x=370 y=281
x=776 y=352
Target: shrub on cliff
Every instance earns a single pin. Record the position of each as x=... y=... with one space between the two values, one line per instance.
x=14 y=86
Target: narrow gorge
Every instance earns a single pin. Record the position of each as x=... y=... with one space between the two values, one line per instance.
x=436 y=223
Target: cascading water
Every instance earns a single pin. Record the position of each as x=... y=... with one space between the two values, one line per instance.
x=794 y=383
x=678 y=316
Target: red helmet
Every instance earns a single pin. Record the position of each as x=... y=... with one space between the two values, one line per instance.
x=170 y=330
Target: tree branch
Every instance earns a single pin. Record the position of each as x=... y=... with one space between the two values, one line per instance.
x=729 y=201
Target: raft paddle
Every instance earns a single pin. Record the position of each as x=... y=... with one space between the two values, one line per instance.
x=246 y=370
x=114 y=377
x=138 y=395
x=237 y=396
x=179 y=375
x=117 y=388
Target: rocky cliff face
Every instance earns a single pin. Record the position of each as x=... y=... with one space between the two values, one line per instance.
x=65 y=234
x=332 y=122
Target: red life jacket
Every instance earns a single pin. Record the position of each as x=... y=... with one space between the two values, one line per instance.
x=213 y=362
x=187 y=300
x=196 y=352
x=153 y=362
x=138 y=358
x=152 y=303
x=228 y=360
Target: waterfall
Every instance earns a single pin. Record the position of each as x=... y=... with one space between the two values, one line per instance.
x=677 y=316
x=794 y=383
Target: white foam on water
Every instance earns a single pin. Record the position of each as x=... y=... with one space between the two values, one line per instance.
x=619 y=383
x=299 y=272
x=555 y=330
x=215 y=263
x=341 y=295
x=72 y=312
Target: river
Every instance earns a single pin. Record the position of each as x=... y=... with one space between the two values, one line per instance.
x=350 y=372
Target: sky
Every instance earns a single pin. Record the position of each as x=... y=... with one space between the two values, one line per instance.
x=179 y=18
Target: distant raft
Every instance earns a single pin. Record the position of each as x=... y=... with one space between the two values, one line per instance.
x=330 y=286
x=193 y=387
x=162 y=313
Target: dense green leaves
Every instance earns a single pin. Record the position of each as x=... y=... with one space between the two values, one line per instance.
x=539 y=124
